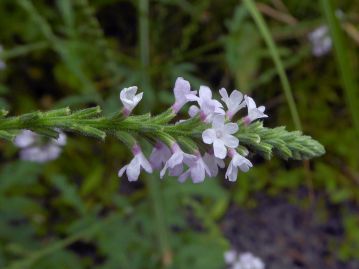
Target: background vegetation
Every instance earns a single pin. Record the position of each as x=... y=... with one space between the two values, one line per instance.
x=76 y=213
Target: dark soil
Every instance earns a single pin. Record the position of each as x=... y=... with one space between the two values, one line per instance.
x=288 y=236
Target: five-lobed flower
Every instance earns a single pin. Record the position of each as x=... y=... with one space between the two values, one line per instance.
x=183 y=94
x=208 y=107
x=254 y=112
x=139 y=161
x=220 y=135
x=234 y=102
x=237 y=162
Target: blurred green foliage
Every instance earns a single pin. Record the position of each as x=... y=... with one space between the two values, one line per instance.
x=75 y=212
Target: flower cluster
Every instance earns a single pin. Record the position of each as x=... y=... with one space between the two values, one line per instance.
x=217 y=142
x=320 y=40
x=245 y=260
x=36 y=148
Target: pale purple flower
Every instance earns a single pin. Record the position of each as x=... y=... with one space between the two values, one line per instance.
x=220 y=135
x=320 y=40
x=208 y=107
x=230 y=257
x=213 y=163
x=133 y=169
x=197 y=169
x=238 y=161
x=2 y=63
x=248 y=261
x=36 y=148
x=129 y=99
x=159 y=156
x=175 y=163
x=234 y=102
x=254 y=112
x=183 y=94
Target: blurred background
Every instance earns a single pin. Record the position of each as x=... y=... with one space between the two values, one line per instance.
x=74 y=212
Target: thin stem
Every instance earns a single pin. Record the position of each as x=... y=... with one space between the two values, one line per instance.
x=263 y=28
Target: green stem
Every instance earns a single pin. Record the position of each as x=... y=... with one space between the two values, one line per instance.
x=263 y=28
x=342 y=57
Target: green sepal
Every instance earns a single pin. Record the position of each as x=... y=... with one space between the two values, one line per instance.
x=88 y=131
x=58 y=112
x=6 y=135
x=126 y=138
x=87 y=112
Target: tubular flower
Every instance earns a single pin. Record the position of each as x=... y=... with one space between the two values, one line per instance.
x=208 y=107
x=213 y=163
x=234 y=102
x=159 y=156
x=238 y=161
x=254 y=112
x=183 y=94
x=129 y=99
x=175 y=162
x=197 y=169
x=133 y=169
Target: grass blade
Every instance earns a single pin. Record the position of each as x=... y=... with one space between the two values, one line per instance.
x=343 y=61
x=262 y=26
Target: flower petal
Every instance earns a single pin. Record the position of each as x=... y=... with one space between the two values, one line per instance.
x=193 y=111
x=122 y=170
x=133 y=169
x=230 y=141
x=182 y=87
x=208 y=136
x=198 y=173
x=145 y=163
x=231 y=128
x=205 y=92
x=218 y=122
x=250 y=102
x=224 y=94
x=220 y=150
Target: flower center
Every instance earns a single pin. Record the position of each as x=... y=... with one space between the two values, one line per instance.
x=219 y=133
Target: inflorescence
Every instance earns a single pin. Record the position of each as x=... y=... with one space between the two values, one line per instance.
x=213 y=134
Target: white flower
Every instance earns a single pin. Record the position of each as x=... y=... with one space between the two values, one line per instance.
x=253 y=112
x=129 y=99
x=159 y=156
x=175 y=162
x=230 y=257
x=134 y=167
x=234 y=102
x=238 y=161
x=208 y=107
x=213 y=163
x=249 y=261
x=320 y=40
x=36 y=148
x=183 y=94
x=197 y=169
x=221 y=136
x=2 y=63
